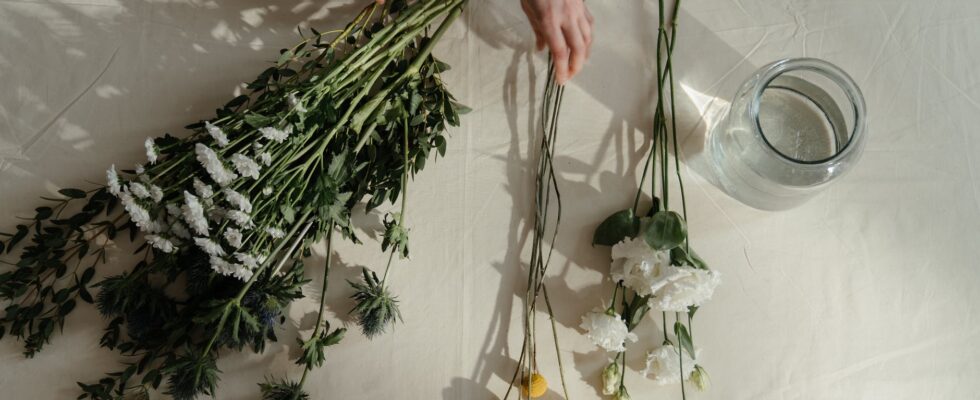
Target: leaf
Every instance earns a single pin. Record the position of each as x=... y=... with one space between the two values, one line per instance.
x=73 y=193
x=684 y=338
x=621 y=225
x=288 y=214
x=43 y=213
x=284 y=57
x=66 y=307
x=21 y=233
x=665 y=230
x=87 y=275
x=84 y=294
x=258 y=120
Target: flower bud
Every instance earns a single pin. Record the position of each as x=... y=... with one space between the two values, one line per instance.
x=622 y=394
x=611 y=376
x=699 y=377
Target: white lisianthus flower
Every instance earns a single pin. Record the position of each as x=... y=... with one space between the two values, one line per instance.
x=173 y=210
x=649 y=273
x=238 y=200
x=245 y=166
x=265 y=158
x=638 y=266
x=663 y=365
x=151 y=150
x=209 y=246
x=193 y=214
x=240 y=218
x=216 y=133
x=139 y=169
x=276 y=233
x=161 y=243
x=685 y=287
x=275 y=134
x=213 y=165
x=233 y=237
x=295 y=104
x=607 y=330
x=138 y=190
x=112 y=179
x=156 y=194
x=202 y=189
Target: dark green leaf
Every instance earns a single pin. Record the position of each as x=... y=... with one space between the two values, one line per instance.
x=21 y=233
x=621 y=225
x=73 y=193
x=43 y=213
x=664 y=231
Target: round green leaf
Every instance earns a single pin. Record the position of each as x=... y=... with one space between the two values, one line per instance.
x=621 y=225
x=665 y=230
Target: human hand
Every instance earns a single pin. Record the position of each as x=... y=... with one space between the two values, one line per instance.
x=565 y=26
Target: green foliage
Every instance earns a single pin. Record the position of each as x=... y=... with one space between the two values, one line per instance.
x=283 y=390
x=395 y=236
x=313 y=349
x=375 y=309
x=616 y=227
x=665 y=230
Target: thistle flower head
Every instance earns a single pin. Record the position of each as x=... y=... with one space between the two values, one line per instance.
x=283 y=390
x=375 y=309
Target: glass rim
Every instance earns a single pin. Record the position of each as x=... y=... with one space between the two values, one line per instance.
x=835 y=74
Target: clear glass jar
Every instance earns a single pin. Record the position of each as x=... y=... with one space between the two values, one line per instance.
x=793 y=127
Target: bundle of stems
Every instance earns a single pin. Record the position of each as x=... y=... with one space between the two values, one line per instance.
x=546 y=197
x=223 y=218
x=663 y=230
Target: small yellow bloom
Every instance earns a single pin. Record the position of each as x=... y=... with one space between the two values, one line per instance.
x=538 y=386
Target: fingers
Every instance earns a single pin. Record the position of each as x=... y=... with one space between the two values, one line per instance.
x=559 y=52
x=535 y=25
x=576 y=43
x=380 y=2
x=586 y=27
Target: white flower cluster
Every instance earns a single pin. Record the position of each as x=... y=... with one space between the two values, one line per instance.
x=650 y=273
x=664 y=365
x=216 y=219
x=607 y=330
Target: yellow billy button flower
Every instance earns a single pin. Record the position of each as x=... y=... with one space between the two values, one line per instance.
x=537 y=388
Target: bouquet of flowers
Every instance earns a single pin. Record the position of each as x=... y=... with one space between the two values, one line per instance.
x=223 y=218
x=653 y=265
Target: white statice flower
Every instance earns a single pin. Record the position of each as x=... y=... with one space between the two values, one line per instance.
x=161 y=243
x=265 y=158
x=238 y=200
x=151 y=150
x=213 y=165
x=226 y=268
x=240 y=218
x=607 y=330
x=249 y=261
x=663 y=365
x=276 y=233
x=209 y=246
x=112 y=179
x=193 y=214
x=178 y=229
x=217 y=214
x=139 y=190
x=233 y=237
x=139 y=215
x=245 y=166
x=685 y=287
x=173 y=210
x=215 y=132
x=202 y=189
x=275 y=134
x=295 y=103
x=267 y=191
x=156 y=194
x=638 y=266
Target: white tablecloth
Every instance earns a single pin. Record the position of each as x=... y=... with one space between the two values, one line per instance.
x=867 y=292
